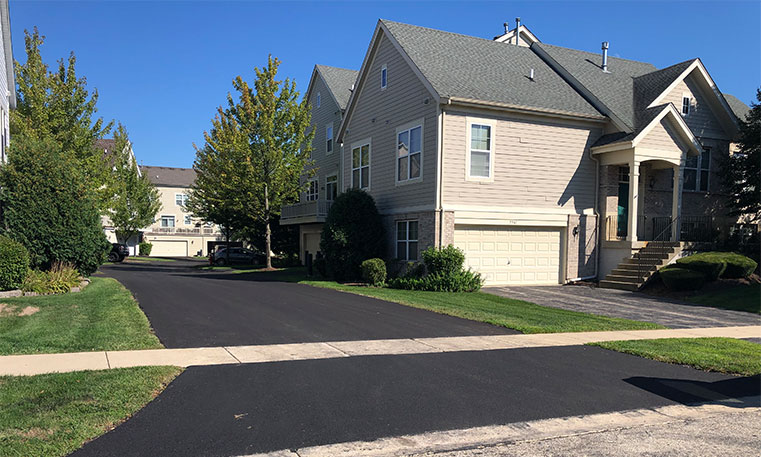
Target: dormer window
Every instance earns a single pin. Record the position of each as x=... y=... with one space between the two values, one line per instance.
x=319 y=99
x=685 y=105
x=384 y=77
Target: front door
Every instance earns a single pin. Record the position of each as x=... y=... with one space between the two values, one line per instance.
x=622 y=224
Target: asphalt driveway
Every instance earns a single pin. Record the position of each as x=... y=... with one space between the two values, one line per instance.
x=628 y=305
x=188 y=307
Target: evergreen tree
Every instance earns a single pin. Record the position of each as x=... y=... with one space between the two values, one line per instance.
x=742 y=170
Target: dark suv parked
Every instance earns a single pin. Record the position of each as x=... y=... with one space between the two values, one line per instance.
x=118 y=252
x=237 y=255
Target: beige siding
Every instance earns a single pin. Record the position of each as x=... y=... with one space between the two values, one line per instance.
x=663 y=138
x=328 y=113
x=377 y=115
x=701 y=119
x=537 y=164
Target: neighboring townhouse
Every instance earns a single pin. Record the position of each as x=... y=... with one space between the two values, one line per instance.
x=544 y=164
x=176 y=233
x=7 y=80
x=328 y=93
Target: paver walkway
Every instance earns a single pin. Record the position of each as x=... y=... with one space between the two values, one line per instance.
x=628 y=305
x=24 y=365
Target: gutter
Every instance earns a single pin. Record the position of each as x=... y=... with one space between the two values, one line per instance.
x=523 y=109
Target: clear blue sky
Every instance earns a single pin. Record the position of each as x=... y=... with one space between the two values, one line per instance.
x=162 y=68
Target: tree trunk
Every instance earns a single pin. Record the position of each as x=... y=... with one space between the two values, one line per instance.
x=267 y=231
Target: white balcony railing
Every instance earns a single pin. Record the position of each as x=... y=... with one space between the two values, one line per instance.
x=317 y=208
x=183 y=230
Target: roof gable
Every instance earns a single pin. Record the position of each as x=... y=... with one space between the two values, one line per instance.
x=525 y=37
x=339 y=82
x=169 y=176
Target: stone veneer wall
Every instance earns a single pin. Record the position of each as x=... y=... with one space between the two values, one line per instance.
x=582 y=249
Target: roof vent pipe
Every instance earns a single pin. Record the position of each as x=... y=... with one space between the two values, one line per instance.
x=605 y=56
x=517 y=31
x=531 y=74
x=507 y=27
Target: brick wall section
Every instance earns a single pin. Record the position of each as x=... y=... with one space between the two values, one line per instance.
x=581 y=248
x=448 y=237
x=426 y=230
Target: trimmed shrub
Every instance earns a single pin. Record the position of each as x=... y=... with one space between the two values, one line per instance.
x=59 y=280
x=145 y=248
x=677 y=278
x=14 y=263
x=711 y=268
x=353 y=232
x=739 y=266
x=49 y=207
x=374 y=271
x=448 y=260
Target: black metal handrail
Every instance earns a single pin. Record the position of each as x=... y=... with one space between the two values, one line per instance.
x=657 y=246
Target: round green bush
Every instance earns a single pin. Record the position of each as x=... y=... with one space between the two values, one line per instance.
x=14 y=263
x=711 y=268
x=448 y=260
x=677 y=278
x=374 y=271
x=145 y=248
x=353 y=232
x=739 y=266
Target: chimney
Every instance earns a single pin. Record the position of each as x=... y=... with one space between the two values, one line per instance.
x=517 y=30
x=605 y=56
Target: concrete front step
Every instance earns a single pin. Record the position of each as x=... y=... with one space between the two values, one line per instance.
x=619 y=285
x=629 y=279
x=626 y=274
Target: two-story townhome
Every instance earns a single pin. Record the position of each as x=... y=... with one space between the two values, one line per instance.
x=327 y=94
x=7 y=80
x=543 y=164
x=176 y=233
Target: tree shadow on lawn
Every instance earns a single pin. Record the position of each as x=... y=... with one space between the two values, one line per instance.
x=728 y=391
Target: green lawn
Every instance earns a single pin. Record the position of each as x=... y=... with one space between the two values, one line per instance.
x=725 y=355
x=54 y=414
x=739 y=298
x=104 y=316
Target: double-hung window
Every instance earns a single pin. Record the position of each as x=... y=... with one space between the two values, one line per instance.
x=408 y=153
x=167 y=221
x=329 y=139
x=406 y=240
x=313 y=190
x=180 y=199
x=686 y=105
x=697 y=170
x=360 y=166
x=188 y=219
x=480 y=151
x=331 y=187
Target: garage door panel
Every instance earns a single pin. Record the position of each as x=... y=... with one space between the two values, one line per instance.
x=511 y=255
x=169 y=248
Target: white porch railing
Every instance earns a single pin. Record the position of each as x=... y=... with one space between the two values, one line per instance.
x=317 y=208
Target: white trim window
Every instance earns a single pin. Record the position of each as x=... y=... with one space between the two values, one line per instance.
x=360 y=166
x=409 y=153
x=406 y=240
x=328 y=138
x=313 y=190
x=384 y=77
x=686 y=103
x=180 y=199
x=167 y=221
x=697 y=170
x=480 y=155
x=331 y=187
x=188 y=220
x=319 y=99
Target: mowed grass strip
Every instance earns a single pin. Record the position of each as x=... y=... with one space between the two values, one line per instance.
x=740 y=298
x=520 y=315
x=104 y=316
x=54 y=414
x=724 y=355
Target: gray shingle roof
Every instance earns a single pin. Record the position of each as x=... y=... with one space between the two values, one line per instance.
x=615 y=89
x=478 y=69
x=649 y=86
x=738 y=106
x=167 y=176
x=339 y=81
x=644 y=118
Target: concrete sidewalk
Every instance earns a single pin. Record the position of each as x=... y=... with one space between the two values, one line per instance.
x=27 y=365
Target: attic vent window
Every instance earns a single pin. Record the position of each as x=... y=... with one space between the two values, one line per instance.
x=686 y=105
x=384 y=77
x=319 y=99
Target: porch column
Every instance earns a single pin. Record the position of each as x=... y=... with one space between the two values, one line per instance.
x=676 y=202
x=631 y=234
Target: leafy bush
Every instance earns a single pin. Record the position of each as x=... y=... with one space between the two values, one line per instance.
x=448 y=260
x=739 y=266
x=677 y=278
x=374 y=271
x=319 y=264
x=49 y=207
x=14 y=263
x=145 y=248
x=59 y=280
x=711 y=267
x=353 y=232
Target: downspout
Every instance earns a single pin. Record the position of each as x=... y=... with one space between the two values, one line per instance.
x=439 y=173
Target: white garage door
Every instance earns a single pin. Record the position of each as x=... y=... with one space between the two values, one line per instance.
x=511 y=255
x=169 y=248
